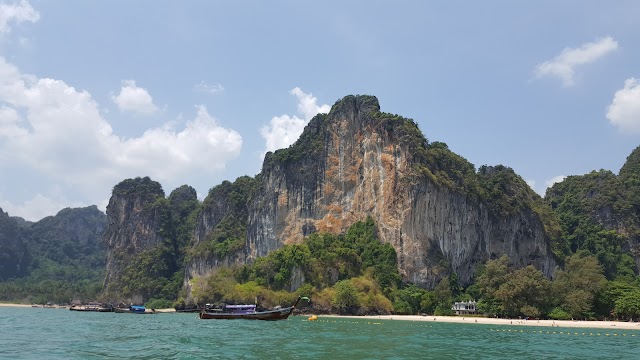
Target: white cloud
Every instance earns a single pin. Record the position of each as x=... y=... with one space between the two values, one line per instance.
x=52 y=132
x=284 y=130
x=201 y=146
x=38 y=207
x=308 y=104
x=624 y=111
x=134 y=99
x=562 y=66
x=556 y=179
x=16 y=13
x=203 y=87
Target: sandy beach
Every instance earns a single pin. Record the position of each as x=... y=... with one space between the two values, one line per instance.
x=621 y=325
x=15 y=305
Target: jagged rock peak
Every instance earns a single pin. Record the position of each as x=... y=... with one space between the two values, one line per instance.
x=631 y=166
x=352 y=104
x=140 y=187
x=354 y=108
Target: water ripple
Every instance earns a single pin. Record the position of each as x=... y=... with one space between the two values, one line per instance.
x=27 y=333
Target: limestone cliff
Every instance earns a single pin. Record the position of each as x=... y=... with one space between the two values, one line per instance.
x=134 y=223
x=371 y=163
x=429 y=203
x=220 y=232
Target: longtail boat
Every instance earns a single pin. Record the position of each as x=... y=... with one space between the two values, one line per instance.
x=134 y=309
x=92 y=306
x=248 y=312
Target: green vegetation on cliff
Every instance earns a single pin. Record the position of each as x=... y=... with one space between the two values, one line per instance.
x=151 y=273
x=352 y=273
x=629 y=176
x=185 y=208
x=154 y=272
x=325 y=259
x=309 y=145
x=142 y=187
x=590 y=209
x=228 y=202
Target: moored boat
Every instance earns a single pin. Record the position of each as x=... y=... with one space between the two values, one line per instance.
x=92 y=306
x=248 y=312
x=134 y=309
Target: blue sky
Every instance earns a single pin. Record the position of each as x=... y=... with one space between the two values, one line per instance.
x=94 y=92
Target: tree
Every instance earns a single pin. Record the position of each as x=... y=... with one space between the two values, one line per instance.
x=576 y=286
x=345 y=296
x=489 y=279
x=525 y=289
x=409 y=299
x=442 y=294
x=493 y=275
x=605 y=300
x=629 y=305
x=428 y=302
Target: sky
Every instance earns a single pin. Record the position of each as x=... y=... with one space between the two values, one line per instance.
x=95 y=92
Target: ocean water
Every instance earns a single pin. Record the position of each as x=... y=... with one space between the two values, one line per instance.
x=37 y=333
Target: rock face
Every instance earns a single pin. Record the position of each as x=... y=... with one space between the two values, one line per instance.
x=367 y=167
x=134 y=227
x=355 y=162
x=220 y=233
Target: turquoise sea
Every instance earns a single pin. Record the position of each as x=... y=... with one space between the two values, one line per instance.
x=37 y=333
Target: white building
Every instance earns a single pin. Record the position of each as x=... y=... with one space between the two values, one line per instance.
x=465 y=307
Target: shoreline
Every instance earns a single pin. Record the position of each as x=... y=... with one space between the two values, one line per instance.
x=586 y=324
x=38 y=306
x=17 y=305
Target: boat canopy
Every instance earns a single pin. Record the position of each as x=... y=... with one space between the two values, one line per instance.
x=136 y=308
x=240 y=309
x=240 y=306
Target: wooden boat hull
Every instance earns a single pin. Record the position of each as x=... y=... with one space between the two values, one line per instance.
x=271 y=315
x=128 y=311
x=91 y=309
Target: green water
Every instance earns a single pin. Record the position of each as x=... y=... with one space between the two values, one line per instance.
x=36 y=333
